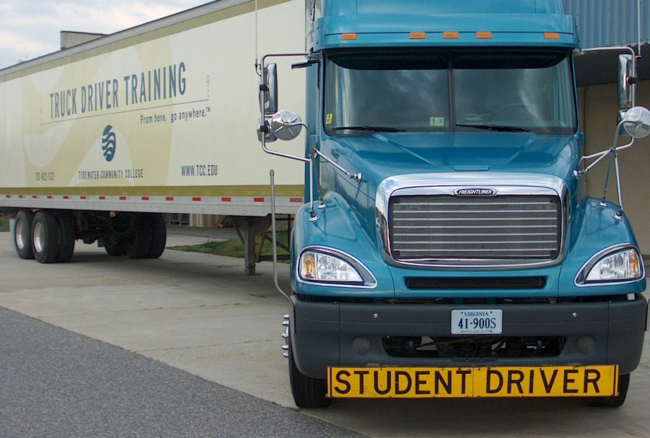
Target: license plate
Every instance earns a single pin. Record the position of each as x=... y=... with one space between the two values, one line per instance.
x=549 y=381
x=477 y=322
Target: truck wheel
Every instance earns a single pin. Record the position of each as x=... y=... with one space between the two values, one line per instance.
x=307 y=392
x=66 y=238
x=23 y=234
x=159 y=235
x=115 y=246
x=138 y=242
x=613 y=402
x=45 y=237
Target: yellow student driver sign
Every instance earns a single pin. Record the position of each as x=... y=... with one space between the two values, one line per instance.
x=567 y=381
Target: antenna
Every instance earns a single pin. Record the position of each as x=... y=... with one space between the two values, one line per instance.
x=638 y=31
x=257 y=63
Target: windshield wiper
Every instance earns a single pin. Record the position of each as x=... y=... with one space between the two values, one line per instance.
x=369 y=128
x=501 y=128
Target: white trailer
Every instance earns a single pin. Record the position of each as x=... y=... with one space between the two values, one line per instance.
x=97 y=141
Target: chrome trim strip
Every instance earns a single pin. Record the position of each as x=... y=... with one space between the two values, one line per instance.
x=432 y=184
x=580 y=279
x=369 y=279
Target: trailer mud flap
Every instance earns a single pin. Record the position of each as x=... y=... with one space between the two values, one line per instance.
x=561 y=381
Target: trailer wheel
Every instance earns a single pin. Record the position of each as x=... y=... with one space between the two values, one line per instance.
x=138 y=242
x=307 y=392
x=159 y=235
x=115 y=246
x=66 y=238
x=23 y=234
x=45 y=237
x=616 y=401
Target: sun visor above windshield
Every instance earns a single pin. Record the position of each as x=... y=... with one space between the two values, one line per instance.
x=543 y=30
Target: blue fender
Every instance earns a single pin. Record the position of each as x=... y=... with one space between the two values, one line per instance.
x=596 y=230
x=338 y=228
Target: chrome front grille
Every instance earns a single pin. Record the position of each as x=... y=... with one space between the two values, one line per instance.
x=508 y=228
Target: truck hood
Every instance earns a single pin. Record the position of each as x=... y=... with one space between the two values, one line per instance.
x=381 y=155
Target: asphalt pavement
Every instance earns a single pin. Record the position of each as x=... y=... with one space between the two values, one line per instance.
x=55 y=383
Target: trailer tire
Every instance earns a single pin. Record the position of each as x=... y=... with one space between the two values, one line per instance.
x=45 y=236
x=159 y=235
x=138 y=241
x=23 y=234
x=616 y=401
x=114 y=246
x=66 y=238
x=307 y=392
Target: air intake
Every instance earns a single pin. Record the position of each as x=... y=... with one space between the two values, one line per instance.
x=481 y=229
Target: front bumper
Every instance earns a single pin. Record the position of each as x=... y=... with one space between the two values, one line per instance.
x=322 y=333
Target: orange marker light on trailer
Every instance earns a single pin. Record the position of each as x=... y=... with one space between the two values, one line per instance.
x=418 y=35
x=484 y=35
x=450 y=35
x=349 y=37
x=551 y=35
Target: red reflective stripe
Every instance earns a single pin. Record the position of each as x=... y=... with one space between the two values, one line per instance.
x=122 y=198
x=226 y=199
x=102 y=198
x=258 y=199
x=82 y=197
x=66 y=197
x=50 y=197
x=197 y=199
x=20 y=196
x=295 y=200
x=34 y=197
x=145 y=198
x=169 y=198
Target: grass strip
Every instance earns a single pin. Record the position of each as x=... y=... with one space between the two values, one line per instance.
x=234 y=247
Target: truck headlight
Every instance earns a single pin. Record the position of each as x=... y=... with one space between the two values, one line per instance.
x=315 y=266
x=622 y=265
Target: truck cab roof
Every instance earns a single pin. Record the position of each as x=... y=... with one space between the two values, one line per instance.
x=421 y=23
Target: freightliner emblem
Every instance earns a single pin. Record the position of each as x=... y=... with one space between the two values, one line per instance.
x=475 y=192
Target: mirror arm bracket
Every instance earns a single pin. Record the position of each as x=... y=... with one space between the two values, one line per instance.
x=355 y=177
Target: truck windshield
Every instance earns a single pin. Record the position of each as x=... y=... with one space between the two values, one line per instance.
x=463 y=91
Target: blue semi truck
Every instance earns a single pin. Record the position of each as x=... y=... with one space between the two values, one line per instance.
x=448 y=247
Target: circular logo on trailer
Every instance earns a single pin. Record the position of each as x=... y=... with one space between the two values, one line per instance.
x=475 y=192
x=108 y=143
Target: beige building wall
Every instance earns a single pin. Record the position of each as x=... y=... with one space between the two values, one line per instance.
x=599 y=108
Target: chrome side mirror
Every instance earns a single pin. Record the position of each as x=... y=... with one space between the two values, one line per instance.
x=626 y=81
x=270 y=81
x=285 y=125
x=636 y=122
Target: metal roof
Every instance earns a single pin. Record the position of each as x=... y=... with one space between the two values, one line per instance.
x=605 y=23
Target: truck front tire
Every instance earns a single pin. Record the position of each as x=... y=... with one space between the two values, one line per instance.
x=307 y=392
x=23 y=234
x=616 y=401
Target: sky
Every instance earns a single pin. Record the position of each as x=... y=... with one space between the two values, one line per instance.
x=31 y=28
